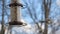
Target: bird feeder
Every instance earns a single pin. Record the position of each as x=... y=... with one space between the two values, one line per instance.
x=15 y=14
x=15 y=4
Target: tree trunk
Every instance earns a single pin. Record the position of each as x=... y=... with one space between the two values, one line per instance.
x=2 y=28
x=47 y=6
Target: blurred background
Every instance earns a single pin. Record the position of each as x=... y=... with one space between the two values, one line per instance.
x=40 y=17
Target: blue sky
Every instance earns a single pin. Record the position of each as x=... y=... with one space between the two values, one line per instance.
x=37 y=5
x=55 y=10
